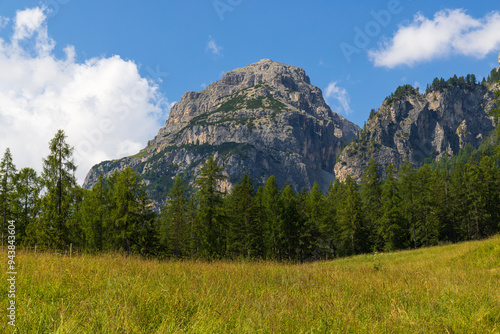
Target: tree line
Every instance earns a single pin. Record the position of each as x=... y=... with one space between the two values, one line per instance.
x=408 y=208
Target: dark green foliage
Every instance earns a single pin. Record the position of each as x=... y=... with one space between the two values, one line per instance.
x=350 y=220
x=244 y=233
x=26 y=203
x=59 y=184
x=401 y=91
x=438 y=85
x=371 y=192
x=290 y=222
x=131 y=217
x=494 y=76
x=391 y=227
x=174 y=222
x=210 y=221
x=7 y=184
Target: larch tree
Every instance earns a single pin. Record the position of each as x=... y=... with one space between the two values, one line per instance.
x=59 y=181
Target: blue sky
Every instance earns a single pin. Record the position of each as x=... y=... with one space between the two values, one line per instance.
x=108 y=71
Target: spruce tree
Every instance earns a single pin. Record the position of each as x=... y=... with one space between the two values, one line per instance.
x=391 y=227
x=289 y=225
x=174 y=221
x=408 y=190
x=371 y=199
x=244 y=235
x=7 y=186
x=352 y=234
x=132 y=218
x=271 y=218
x=27 y=202
x=96 y=216
x=309 y=239
x=210 y=222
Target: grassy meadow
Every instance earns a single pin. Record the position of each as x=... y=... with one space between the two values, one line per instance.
x=446 y=289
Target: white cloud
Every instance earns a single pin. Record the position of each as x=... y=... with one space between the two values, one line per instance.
x=103 y=104
x=213 y=47
x=340 y=94
x=450 y=32
x=4 y=21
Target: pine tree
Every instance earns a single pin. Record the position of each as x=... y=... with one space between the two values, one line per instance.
x=427 y=227
x=270 y=219
x=7 y=184
x=391 y=227
x=459 y=203
x=314 y=216
x=210 y=224
x=289 y=225
x=329 y=230
x=244 y=235
x=408 y=191
x=174 y=221
x=132 y=218
x=26 y=203
x=96 y=216
x=59 y=182
x=350 y=220
x=371 y=200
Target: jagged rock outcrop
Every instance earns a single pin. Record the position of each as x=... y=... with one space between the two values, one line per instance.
x=264 y=119
x=417 y=127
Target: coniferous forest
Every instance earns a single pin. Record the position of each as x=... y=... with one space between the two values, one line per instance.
x=451 y=200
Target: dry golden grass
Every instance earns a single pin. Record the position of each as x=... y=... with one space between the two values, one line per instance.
x=446 y=289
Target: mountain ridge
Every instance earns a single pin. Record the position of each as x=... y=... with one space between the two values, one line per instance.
x=263 y=119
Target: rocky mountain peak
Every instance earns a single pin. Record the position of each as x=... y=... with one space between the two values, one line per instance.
x=262 y=119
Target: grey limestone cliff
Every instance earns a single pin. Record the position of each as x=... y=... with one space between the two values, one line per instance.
x=417 y=127
x=264 y=119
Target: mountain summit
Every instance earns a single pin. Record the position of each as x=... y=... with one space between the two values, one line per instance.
x=263 y=119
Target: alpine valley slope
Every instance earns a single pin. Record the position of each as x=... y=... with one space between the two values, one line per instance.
x=414 y=127
x=264 y=119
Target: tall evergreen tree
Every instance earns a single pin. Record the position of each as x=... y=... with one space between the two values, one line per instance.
x=132 y=228
x=371 y=193
x=96 y=216
x=289 y=225
x=391 y=227
x=408 y=190
x=59 y=182
x=426 y=224
x=27 y=201
x=244 y=235
x=459 y=203
x=210 y=223
x=352 y=234
x=7 y=178
x=270 y=217
x=314 y=216
x=174 y=221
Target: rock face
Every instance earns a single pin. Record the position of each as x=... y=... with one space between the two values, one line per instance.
x=264 y=119
x=415 y=127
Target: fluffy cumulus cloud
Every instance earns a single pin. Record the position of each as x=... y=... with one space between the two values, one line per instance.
x=340 y=95
x=450 y=32
x=103 y=104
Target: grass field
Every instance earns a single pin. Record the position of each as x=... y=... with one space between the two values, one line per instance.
x=446 y=289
